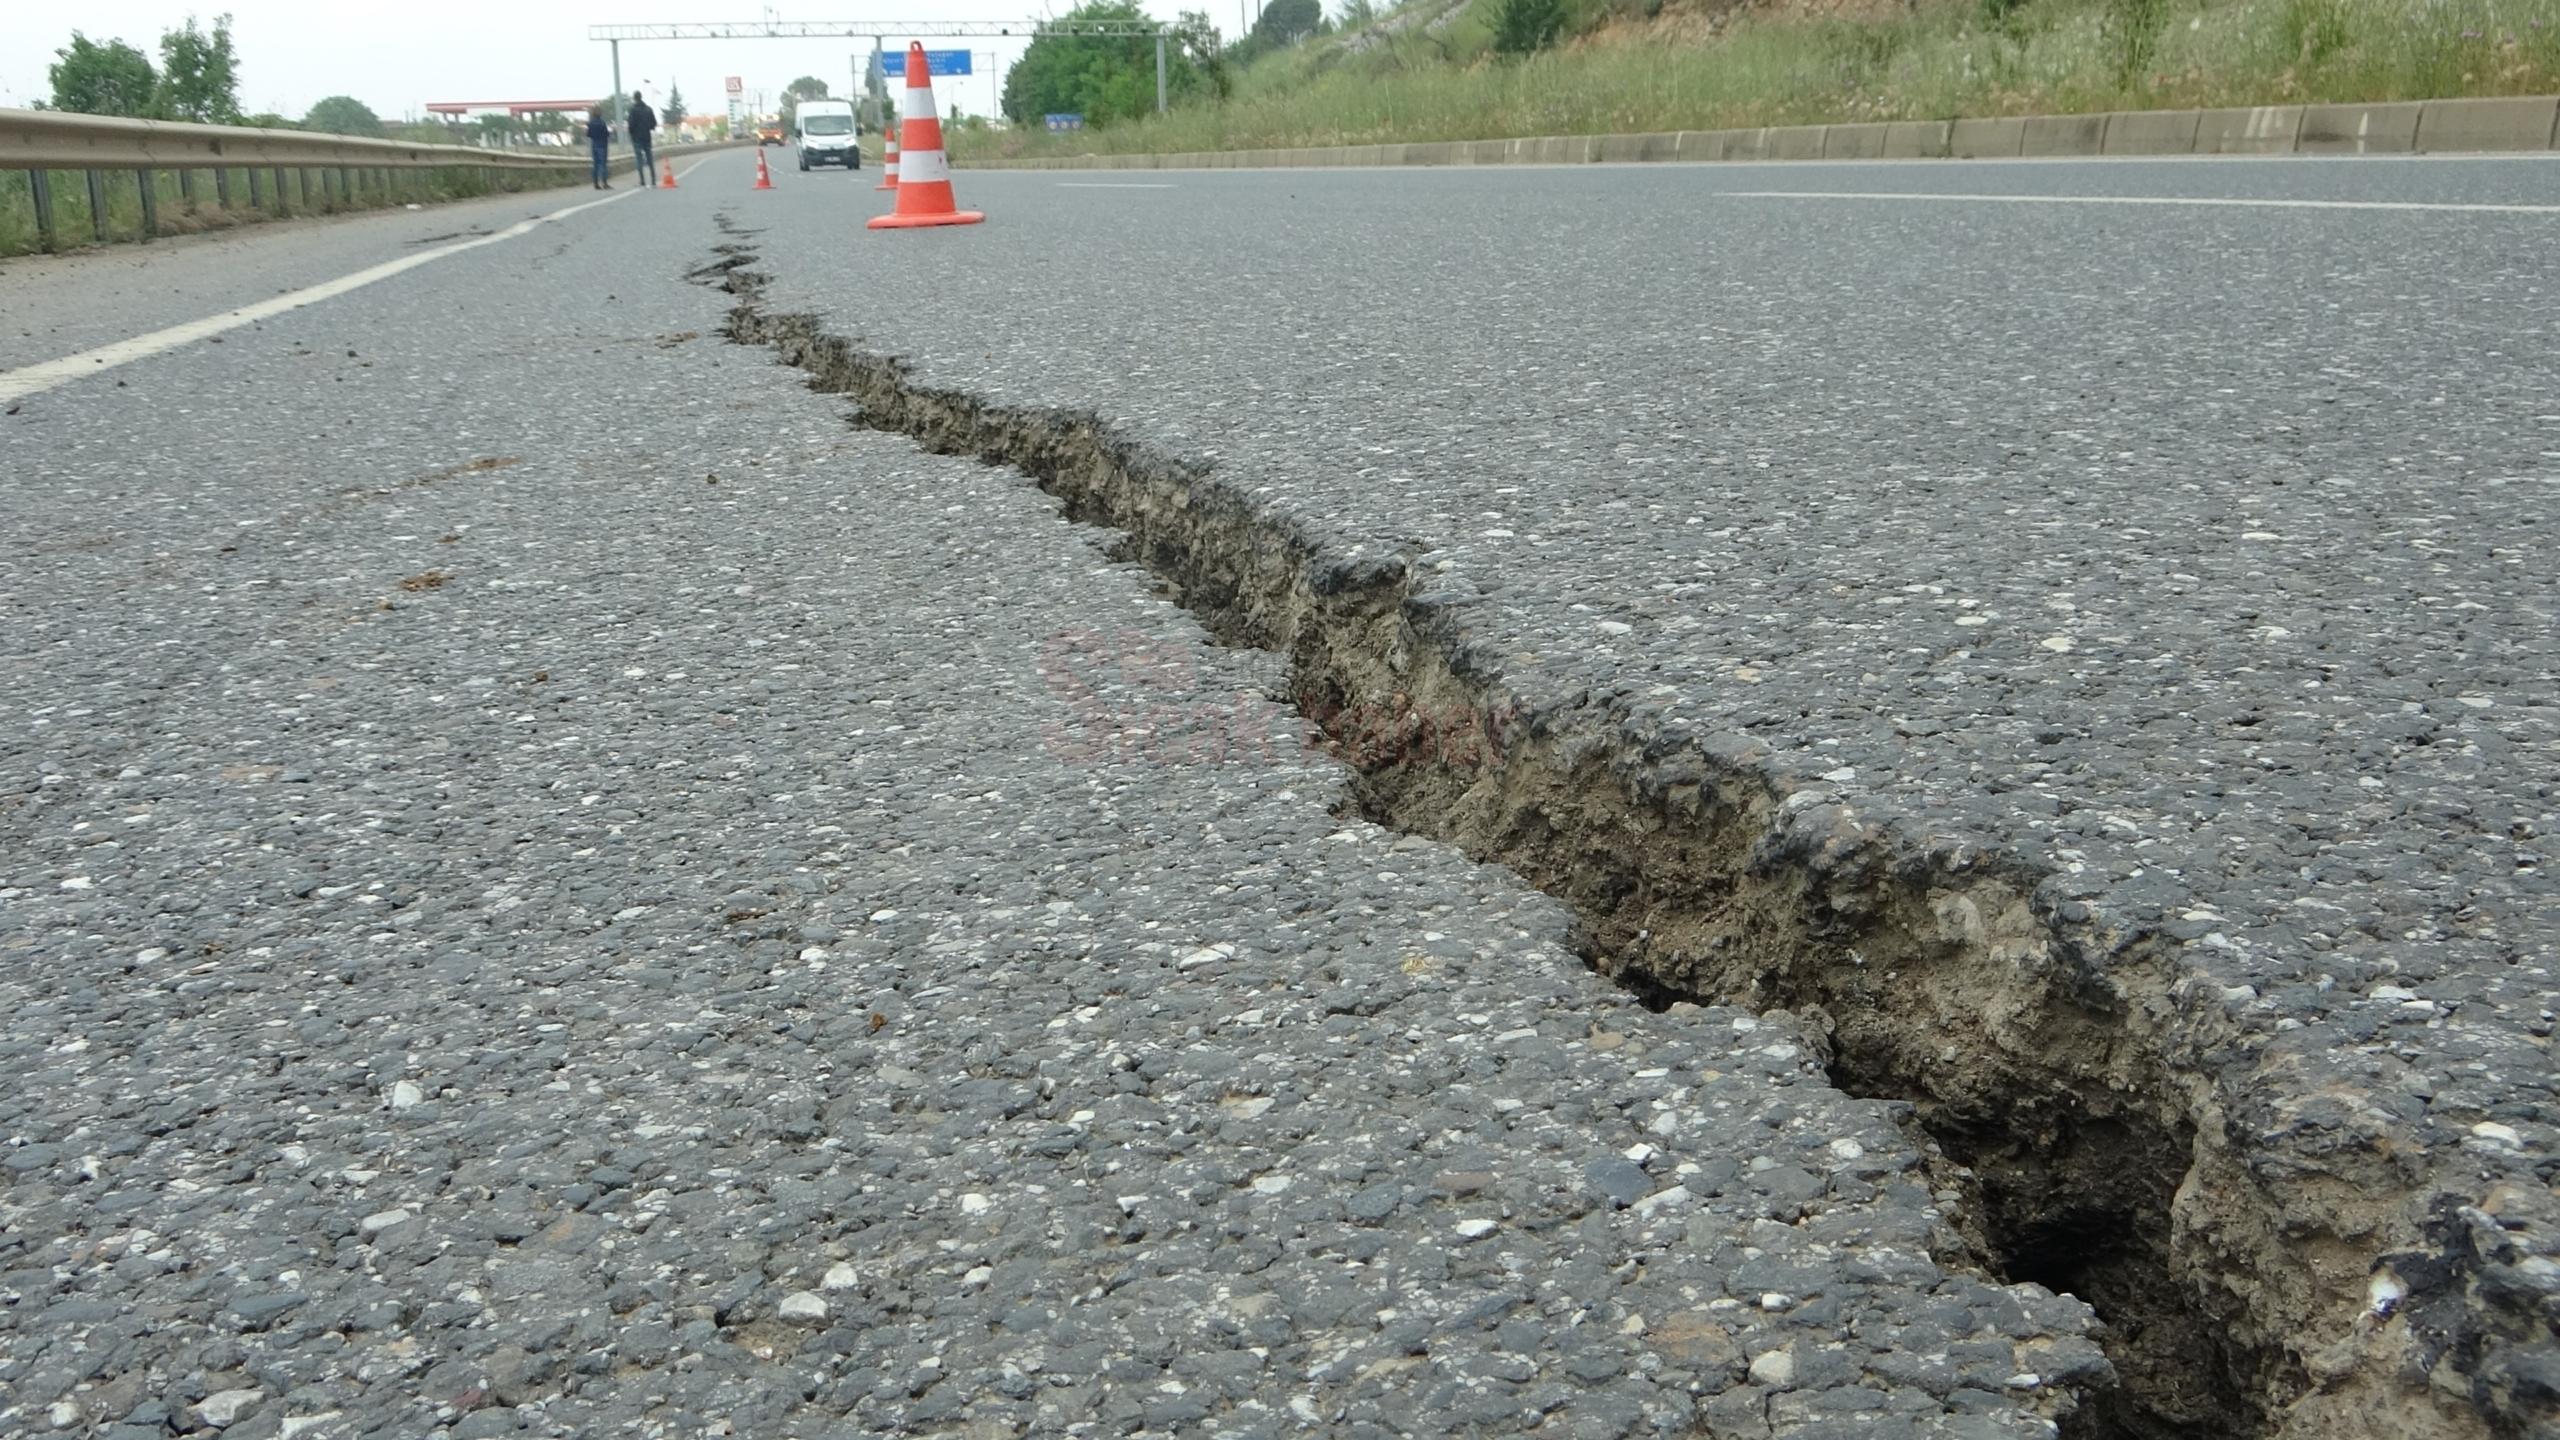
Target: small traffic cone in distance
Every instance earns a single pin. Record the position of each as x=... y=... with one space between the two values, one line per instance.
x=924 y=172
x=889 y=162
x=667 y=174
x=764 y=177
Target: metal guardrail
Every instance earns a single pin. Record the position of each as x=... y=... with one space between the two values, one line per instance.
x=59 y=140
x=277 y=162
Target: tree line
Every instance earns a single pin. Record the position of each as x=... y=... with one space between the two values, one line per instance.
x=198 y=79
x=1112 y=78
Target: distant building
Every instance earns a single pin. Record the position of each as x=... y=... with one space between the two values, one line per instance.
x=572 y=113
x=512 y=109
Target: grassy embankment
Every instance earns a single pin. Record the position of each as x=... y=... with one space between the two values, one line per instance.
x=1685 y=69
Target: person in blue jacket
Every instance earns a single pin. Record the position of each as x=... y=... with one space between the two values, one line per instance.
x=599 y=137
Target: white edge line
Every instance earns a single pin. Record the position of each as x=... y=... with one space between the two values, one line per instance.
x=1112 y=185
x=1872 y=162
x=46 y=375
x=2421 y=205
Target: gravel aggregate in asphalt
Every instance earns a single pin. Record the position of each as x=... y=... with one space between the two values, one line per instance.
x=2190 y=556
x=555 y=887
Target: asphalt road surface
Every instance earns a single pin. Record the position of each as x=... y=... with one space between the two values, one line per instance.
x=558 y=886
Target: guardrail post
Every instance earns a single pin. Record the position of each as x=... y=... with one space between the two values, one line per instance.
x=302 y=182
x=187 y=188
x=346 y=188
x=98 y=206
x=41 y=189
x=284 y=205
x=222 y=186
x=257 y=191
x=150 y=205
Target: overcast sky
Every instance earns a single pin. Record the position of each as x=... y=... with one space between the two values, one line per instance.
x=398 y=57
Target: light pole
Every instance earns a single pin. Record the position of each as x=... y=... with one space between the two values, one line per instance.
x=878 y=81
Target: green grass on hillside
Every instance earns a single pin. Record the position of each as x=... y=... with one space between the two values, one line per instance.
x=1935 y=60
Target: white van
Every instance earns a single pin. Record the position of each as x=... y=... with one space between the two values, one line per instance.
x=828 y=135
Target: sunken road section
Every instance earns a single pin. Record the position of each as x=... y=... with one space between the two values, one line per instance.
x=2268 y=1260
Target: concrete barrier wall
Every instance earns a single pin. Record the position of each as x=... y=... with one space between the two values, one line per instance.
x=2065 y=135
x=2394 y=128
x=1918 y=139
x=2359 y=129
x=1972 y=139
x=2264 y=130
x=1792 y=142
x=2461 y=125
x=1854 y=142
x=1732 y=144
x=2157 y=132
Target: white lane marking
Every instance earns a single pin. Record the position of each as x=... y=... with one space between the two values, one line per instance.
x=2144 y=200
x=2448 y=157
x=35 y=379
x=1109 y=185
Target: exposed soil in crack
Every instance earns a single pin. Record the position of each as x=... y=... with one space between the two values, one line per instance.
x=2034 y=1048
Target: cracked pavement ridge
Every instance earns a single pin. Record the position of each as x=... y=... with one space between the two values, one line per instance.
x=702 y=964
x=2201 y=599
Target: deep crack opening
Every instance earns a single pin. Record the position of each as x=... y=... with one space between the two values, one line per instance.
x=2086 y=1213
x=2059 y=1191
x=1932 y=976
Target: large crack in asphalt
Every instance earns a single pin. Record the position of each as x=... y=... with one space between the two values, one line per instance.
x=2029 y=1038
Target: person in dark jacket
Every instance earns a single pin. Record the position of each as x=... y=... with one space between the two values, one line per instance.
x=643 y=124
x=599 y=136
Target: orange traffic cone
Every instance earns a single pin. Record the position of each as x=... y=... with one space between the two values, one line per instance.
x=924 y=173
x=889 y=162
x=764 y=177
x=667 y=174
